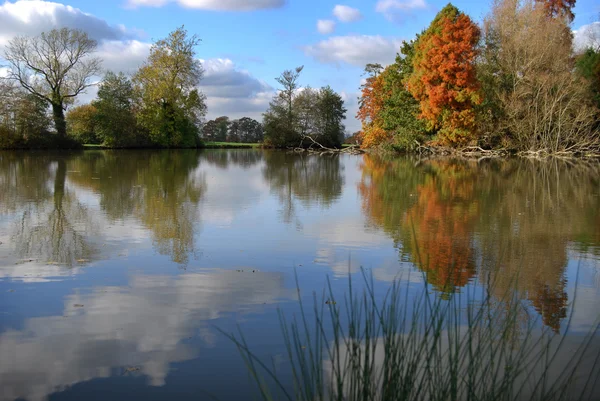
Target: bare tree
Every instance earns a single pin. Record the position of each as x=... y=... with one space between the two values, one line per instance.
x=55 y=66
x=545 y=107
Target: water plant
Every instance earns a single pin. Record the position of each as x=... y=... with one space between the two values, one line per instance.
x=407 y=345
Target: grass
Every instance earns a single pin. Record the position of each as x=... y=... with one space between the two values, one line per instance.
x=420 y=347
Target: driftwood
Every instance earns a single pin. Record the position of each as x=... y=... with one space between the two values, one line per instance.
x=316 y=147
x=469 y=151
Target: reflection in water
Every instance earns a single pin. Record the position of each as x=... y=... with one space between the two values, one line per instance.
x=518 y=218
x=49 y=223
x=159 y=189
x=223 y=158
x=144 y=325
x=461 y=223
x=312 y=180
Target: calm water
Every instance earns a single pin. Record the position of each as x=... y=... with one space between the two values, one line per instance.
x=116 y=268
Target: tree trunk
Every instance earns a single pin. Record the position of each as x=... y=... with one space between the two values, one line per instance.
x=59 y=120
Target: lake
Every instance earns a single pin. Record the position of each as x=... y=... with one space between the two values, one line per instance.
x=118 y=269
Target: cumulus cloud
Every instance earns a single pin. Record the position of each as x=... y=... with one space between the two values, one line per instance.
x=215 y=5
x=126 y=55
x=33 y=17
x=232 y=91
x=346 y=13
x=396 y=9
x=357 y=50
x=587 y=36
x=325 y=26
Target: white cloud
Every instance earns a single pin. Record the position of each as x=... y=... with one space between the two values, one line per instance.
x=325 y=26
x=395 y=9
x=215 y=5
x=351 y=103
x=232 y=91
x=357 y=50
x=346 y=13
x=123 y=55
x=34 y=17
x=587 y=36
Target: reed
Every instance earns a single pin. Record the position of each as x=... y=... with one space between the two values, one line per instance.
x=402 y=346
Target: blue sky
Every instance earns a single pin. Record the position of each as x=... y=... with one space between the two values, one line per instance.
x=247 y=43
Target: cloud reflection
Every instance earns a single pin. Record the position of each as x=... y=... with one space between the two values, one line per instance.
x=145 y=325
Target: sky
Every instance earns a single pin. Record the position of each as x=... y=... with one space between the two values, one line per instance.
x=246 y=44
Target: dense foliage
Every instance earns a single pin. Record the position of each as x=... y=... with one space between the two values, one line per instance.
x=513 y=83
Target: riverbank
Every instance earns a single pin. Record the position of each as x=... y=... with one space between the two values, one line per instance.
x=205 y=145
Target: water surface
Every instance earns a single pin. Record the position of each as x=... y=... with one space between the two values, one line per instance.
x=117 y=267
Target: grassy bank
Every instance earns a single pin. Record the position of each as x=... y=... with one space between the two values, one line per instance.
x=230 y=145
x=404 y=346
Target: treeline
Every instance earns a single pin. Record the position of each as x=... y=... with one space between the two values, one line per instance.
x=222 y=129
x=513 y=83
x=157 y=106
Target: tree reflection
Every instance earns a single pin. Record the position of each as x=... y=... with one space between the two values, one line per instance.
x=514 y=220
x=158 y=188
x=309 y=179
x=431 y=219
x=50 y=224
x=223 y=158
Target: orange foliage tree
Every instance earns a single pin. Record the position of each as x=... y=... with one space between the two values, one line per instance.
x=373 y=95
x=559 y=8
x=444 y=78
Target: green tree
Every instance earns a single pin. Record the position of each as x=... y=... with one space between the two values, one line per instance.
x=588 y=66
x=222 y=128
x=24 y=120
x=55 y=66
x=170 y=105
x=280 y=119
x=400 y=110
x=115 y=121
x=81 y=123
x=250 y=130
x=330 y=116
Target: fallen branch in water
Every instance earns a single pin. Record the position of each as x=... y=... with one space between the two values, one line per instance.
x=316 y=147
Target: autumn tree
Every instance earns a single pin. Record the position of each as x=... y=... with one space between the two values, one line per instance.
x=370 y=105
x=55 y=66
x=169 y=101
x=444 y=78
x=539 y=104
x=559 y=8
